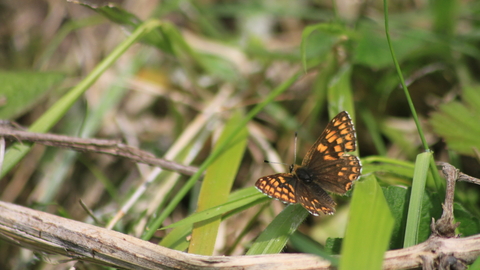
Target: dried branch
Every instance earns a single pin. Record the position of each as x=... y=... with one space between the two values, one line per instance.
x=48 y=233
x=110 y=147
x=444 y=227
x=45 y=232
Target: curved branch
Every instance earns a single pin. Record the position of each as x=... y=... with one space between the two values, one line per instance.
x=45 y=232
x=110 y=147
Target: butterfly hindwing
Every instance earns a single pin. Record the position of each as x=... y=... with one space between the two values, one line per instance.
x=315 y=199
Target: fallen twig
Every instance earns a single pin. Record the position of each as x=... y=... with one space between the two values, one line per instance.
x=110 y=147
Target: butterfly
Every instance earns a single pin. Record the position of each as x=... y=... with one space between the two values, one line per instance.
x=326 y=167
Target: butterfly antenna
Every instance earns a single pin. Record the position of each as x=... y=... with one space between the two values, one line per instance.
x=273 y=162
x=290 y=166
x=295 y=153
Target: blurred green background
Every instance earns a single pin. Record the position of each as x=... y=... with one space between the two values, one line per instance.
x=209 y=72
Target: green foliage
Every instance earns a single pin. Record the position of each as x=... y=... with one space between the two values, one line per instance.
x=370 y=224
x=416 y=198
x=21 y=91
x=457 y=122
x=274 y=238
x=263 y=72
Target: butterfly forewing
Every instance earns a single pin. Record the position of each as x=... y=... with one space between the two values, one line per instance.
x=337 y=138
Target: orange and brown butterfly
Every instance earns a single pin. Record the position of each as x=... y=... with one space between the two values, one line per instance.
x=326 y=167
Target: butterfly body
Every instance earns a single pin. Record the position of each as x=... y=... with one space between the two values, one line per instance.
x=325 y=167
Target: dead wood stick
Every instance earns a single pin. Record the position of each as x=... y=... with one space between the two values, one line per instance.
x=45 y=232
x=110 y=147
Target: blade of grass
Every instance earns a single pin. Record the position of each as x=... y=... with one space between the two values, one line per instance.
x=176 y=239
x=370 y=225
x=305 y=244
x=250 y=195
x=18 y=150
x=274 y=238
x=422 y=165
x=218 y=181
x=402 y=81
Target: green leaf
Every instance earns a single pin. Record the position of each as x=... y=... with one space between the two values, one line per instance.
x=422 y=165
x=340 y=95
x=370 y=225
x=130 y=23
x=334 y=245
x=274 y=238
x=305 y=244
x=248 y=196
x=178 y=238
x=397 y=199
x=469 y=224
x=373 y=51
x=21 y=90
x=335 y=30
x=237 y=201
x=458 y=122
x=218 y=180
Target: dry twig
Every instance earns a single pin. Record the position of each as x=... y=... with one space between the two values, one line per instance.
x=110 y=147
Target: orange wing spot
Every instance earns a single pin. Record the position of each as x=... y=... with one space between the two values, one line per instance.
x=348 y=186
x=338 y=148
x=332 y=138
x=349 y=145
x=340 y=141
x=340 y=174
x=329 y=157
x=343 y=126
x=322 y=148
x=352 y=177
x=329 y=133
x=349 y=137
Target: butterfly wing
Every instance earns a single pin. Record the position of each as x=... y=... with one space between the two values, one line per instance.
x=313 y=198
x=327 y=162
x=279 y=186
